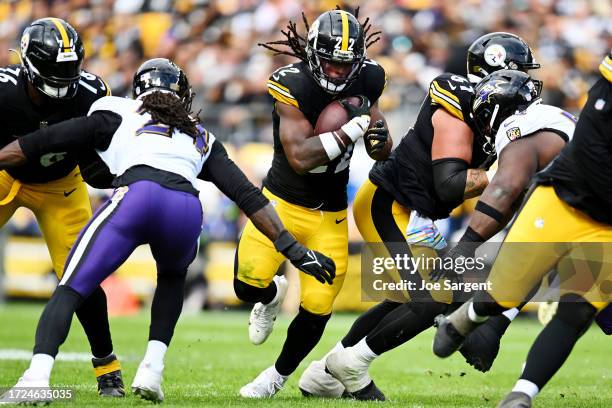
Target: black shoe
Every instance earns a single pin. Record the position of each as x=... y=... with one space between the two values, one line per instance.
x=480 y=347
x=447 y=339
x=108 y=375
x=369 y=393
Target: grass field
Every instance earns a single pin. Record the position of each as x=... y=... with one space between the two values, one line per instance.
x=211 y=358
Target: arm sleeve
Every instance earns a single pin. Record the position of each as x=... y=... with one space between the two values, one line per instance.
x=88 y=132
x=223 y=172
x=449 y=177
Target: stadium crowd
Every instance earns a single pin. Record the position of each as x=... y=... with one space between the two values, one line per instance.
x=216 y=42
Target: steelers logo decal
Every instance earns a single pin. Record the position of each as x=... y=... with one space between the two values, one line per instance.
x=495 y=55
x=25 y=41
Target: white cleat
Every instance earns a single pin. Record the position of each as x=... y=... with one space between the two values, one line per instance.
x=261 y=321
x=265 y=385
x=28 y=391
x=316 y=382
x=349 y=369
x=147 y=383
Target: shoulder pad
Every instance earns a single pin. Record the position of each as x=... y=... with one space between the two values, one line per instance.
x=453 y=93
x=115 y=104
x=535 y=118
x=285 y=84
x=93 y=84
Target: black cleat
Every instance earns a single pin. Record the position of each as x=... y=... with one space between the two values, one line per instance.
x=370 y=393
x=447 y=339
x=516 y=400
x=480 y=347
x=108 y=375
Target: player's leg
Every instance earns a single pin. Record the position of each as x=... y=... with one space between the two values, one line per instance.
x=173 y=239
x=63 y=209
x=105 y=243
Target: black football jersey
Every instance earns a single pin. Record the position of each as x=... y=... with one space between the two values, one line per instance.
x=408 y=173
x=325 y=186
x=19 y=116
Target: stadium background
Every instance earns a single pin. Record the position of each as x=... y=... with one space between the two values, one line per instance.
x=215 y=41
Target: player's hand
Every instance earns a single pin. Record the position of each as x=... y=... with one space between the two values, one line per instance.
x=449 y=260
x=376 y=137
x=356 y=111
x=306 y=260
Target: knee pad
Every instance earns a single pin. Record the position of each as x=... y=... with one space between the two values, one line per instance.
x=317 y=303
x=252 y=294
x=574 y=311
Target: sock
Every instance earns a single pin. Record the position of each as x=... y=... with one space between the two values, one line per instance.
x=473 y=316
x=555 y=343
x=526 y=387
x=276 y=292
x=54 y=323
x=337 y=347
x=154 y=356
x=303 y=334
x=402 y=324
x=93 y=315
x=367 y=322
x=167 y=304
x=364 y=352
x=511 y=313
x=40 y=367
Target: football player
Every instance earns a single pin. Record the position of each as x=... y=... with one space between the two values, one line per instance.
x=156 y=150
x=48 y=87
x=568 y=223
x=440 y=162
x=307 y=181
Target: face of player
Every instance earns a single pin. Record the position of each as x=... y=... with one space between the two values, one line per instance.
x=336 y=70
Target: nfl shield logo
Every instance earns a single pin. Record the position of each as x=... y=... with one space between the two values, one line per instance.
x=513 y=133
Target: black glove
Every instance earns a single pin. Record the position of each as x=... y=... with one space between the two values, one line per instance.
x=306 y=260
x=355 y=111
x=461 y=250
x=375 y=138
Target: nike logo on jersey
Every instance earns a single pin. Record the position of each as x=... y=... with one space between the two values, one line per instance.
x=67 y=193
x=508 y=123
x=453 y=87
x=340 y=220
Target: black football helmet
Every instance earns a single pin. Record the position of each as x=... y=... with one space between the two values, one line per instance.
x=162 y=74
x=335 y=36
x=52 y=54
x=499 y=96
x=496 y=51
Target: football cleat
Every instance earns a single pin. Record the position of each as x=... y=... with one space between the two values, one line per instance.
x=108 y=376
x=265 y=385
x=516 y=400
x=452 y=330
x=352 y=372
x=481 y=347
x=30 y=382
x=147 y=383
x=261 y=321
x=316 y=382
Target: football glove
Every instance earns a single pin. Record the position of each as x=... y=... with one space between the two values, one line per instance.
x=446 y=270
x=306 y=260
x=356 y=111
x=376 y=137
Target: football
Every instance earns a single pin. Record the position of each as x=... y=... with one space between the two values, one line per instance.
x=334 y=116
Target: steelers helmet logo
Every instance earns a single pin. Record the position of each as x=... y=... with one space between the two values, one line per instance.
x=495 y=55
x=25 y=42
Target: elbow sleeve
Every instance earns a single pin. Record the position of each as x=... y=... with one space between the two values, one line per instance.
x=449 y=175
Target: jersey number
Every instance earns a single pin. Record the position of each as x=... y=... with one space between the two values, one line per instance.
x=284 y=72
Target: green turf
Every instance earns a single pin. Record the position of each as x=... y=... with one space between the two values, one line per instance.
x=211 y=358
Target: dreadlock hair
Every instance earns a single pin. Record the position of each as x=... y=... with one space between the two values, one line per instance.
x=167 y=108
x=297 y=44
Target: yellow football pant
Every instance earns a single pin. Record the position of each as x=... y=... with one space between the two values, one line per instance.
x=381 y=219
x=324 y=231
x=547 y=234
x=61 y=207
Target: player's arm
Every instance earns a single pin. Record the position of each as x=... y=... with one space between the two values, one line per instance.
x=306 y=151
x=94 y=131
x=451 y=153
x=225 y=174
x=517 y=164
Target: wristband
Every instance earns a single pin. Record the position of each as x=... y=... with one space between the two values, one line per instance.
x=356 y=127
x=330 y=145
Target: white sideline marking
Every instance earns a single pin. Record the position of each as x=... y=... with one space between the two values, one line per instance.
x=18 y=354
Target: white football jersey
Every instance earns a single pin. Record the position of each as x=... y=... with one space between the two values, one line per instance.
x=138 y=141
x=535 y=118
